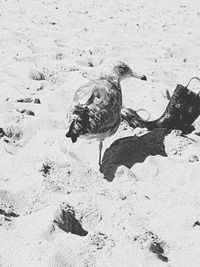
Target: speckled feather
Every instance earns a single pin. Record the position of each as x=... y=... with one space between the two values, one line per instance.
x=96 y=110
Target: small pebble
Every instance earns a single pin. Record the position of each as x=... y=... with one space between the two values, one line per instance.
x=27 y=112
x=174 y=151
x=193 y=158
x=36 y=75
x=29 y=100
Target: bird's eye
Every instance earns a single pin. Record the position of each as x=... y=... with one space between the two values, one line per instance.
x=125 y=69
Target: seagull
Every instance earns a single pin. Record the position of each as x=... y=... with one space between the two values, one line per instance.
x=95 y=112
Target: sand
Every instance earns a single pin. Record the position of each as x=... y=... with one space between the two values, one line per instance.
x=59 y=210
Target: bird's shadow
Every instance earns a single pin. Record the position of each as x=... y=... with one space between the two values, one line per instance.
x=132 y=149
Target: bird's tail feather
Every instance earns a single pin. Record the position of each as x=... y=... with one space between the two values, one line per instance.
x=71 y=133
x=79 y=123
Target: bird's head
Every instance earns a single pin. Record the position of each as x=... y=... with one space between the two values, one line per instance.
x=123 y=71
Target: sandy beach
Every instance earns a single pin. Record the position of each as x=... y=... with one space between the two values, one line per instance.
x=142 y=208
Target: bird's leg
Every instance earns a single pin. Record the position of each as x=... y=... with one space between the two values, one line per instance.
x=100 y=150
x=73 y=155
x=69 y=150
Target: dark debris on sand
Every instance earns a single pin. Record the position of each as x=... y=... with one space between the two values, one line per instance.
x=65 y=219
x=157 y=248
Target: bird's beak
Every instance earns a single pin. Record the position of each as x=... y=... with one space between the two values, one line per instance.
x=137 y=76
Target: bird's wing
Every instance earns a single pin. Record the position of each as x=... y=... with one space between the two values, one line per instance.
x=95 y=93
